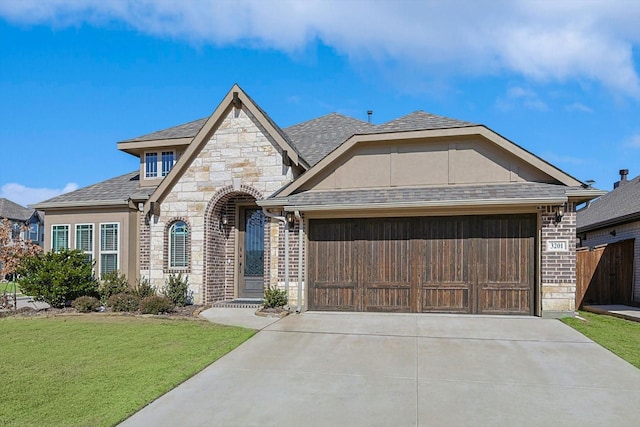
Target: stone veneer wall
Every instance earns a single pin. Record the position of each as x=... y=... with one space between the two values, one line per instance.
x=242 y=151
x=558 y=275
x=622 y=232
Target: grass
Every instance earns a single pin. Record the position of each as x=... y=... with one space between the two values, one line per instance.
x=8 y=287
x=620 y=336
x=96 y=370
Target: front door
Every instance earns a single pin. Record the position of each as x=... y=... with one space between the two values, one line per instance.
x=251 y=253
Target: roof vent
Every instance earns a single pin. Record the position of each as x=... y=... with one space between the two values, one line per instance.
x=369 y=114
x=623 y=178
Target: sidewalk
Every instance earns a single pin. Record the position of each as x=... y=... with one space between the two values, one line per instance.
x=622 y=311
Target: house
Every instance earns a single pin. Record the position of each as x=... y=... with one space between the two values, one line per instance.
x=24 y=221
x=420 y=214
x=615 y=218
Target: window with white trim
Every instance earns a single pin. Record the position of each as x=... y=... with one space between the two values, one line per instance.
x=178 y=245
x=84 y=239
x=151 y=165
x=158 y=164
x=109 y=248
x=34 y=232
x=59 y=237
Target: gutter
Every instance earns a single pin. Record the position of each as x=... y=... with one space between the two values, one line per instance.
x=79 y=204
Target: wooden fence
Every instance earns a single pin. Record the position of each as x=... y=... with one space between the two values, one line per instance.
x=605 y=274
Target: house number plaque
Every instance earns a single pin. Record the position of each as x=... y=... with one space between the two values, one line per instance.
x=557 y=246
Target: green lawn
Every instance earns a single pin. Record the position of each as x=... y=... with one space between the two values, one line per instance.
x=96 y=370
x=8 y=287
x=620 y=336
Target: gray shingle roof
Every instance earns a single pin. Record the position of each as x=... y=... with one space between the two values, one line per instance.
x=618 y=205
x=318 y=137
x=520 y=190
x=12 y=210
x=186 y=130
x=118 y=189
x=419 y=120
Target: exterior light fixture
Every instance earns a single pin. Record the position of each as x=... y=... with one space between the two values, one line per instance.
x=290 y=217
x=225 y=219
x=559 y=211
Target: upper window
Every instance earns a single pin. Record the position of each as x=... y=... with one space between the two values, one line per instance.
x=167 y=162
x=84 y=239
x=151 y=165
x=59 y=237
x=34 y=232
x=158 y=164
x=109 y=253
x=178 y=245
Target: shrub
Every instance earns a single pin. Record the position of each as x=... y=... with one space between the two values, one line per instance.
x=177 y=290
x=156 y=304
x=86 y=304
x=113 y=283
x=57 y=277
x=123 y=302
x=143 y=289
x=275 y=297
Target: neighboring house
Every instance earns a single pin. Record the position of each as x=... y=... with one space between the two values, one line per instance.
x=420 y=214
x=612 y=218
x=24 y=221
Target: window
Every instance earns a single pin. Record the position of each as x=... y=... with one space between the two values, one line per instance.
x=34 y=234
x=59 y=237
x=158 y=164
x=84 y=239
x=151 y=165
x=178 y=245
x=167 y=162
x=108 y=248
x=15 y=231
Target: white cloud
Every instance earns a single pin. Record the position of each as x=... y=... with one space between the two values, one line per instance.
x=578 y=106
x=517 y=96
x=634 y=141
x=26 y=196
x=571 y=40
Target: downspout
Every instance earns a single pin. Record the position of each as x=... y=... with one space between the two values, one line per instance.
x=300 y=243
x=286 y=246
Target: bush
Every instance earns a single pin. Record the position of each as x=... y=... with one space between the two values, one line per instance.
x=86 y=304
x=156 y=304
x=177 y=290
x=123 y=302
x=143 y=289
x=275 y=297
x=57 y=277
x=113 y=283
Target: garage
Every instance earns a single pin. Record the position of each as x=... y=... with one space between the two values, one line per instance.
x=454 y=264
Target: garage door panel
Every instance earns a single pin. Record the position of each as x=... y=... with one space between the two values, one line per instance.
x=446 y=250
x=388 y=296
x=446 y=298
x=334 y=297
x=504 y=299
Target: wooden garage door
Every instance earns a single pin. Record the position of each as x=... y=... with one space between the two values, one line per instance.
x=469 y=264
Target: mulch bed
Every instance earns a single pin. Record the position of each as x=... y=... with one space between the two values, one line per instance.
x=188 y=311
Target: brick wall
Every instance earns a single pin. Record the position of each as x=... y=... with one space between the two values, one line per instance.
x=558 y=269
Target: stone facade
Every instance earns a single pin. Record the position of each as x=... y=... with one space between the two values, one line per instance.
x=558 y=268
x=240 y=156
x=614 y=234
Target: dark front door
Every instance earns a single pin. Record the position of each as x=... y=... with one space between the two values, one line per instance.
x=251 y=253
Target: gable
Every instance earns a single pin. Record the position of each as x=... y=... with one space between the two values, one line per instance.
x=425 y=162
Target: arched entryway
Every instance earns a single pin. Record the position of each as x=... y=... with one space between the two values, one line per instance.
x=236 y=244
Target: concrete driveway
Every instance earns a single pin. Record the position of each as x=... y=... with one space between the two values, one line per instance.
x=333 y=369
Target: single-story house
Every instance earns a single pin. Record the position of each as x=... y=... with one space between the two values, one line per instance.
x=420 y=214
x=614 y=218
x=25 y=222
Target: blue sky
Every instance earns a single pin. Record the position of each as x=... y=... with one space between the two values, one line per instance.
x=558 y=78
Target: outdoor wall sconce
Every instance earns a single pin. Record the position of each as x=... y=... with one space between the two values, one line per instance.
x=613 y=233
x=225 y=220
x=559 y=211
x=290 y=217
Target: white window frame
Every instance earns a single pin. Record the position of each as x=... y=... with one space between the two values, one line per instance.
x=93 y=239
x=53 y=226
x=109 y=252
x=159 y=172
x=187 y=255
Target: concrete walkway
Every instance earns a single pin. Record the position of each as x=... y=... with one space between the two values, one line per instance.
x=357 y=369
x=622 y=311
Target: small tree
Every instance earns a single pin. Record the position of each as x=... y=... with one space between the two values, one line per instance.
x=13 y=248
x=57 y=277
